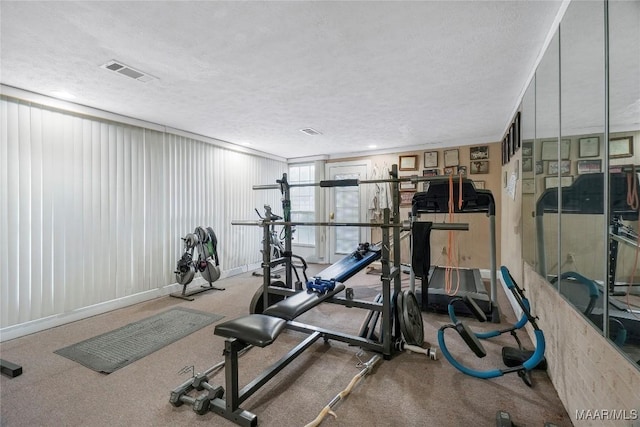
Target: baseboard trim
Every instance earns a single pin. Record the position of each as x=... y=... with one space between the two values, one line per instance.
x=42 y=324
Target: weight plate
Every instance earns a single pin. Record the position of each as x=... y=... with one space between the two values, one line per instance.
x=211 y=272
x=185 y=277
x=202 y=235
x=410 y=318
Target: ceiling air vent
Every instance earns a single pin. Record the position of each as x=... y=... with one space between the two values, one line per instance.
x=310 y=131
x=125 y=70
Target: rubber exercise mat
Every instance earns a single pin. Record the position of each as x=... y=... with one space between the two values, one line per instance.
x=113 y=350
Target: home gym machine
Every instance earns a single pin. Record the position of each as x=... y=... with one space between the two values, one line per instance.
x=586 y=197
x=433 y=295
x=205 y=244
x=516 y=359
x=262 y=328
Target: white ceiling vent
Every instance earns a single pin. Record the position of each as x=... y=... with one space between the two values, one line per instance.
x=310 y=131
x=125 y=70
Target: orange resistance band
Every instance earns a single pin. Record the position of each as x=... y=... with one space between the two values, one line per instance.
x=452 y=258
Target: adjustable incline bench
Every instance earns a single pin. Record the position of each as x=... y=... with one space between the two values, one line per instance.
x=341 y=271
x=261 y=330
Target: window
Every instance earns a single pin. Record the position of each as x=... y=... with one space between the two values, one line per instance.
x=303 y=202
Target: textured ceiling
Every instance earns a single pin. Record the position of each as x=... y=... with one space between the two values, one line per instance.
x=400 y=75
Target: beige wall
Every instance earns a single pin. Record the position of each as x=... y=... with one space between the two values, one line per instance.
x=472 y=245
x=586 y=370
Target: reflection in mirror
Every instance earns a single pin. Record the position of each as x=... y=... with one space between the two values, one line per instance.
x=583 y=254
x=527 y=128
x=624 y=153
x=547 y=110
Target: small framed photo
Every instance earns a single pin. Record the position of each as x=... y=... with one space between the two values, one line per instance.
x=462 y=171
x=621 y=147
x=430 y=159
x=406 y=198
x=479 y=153
x=408 y=163
x=589 y=166
x=480 y=185
x=451 y=158
x=480 y=166
x=589 y=147
x=528 y=186
x=450 y=171
x=552 y=181
x=527 y=149
x=539 y=167
x=408 y=186
x=550 y=150
x=565 y=167
x=527 y=163
x=430 y=172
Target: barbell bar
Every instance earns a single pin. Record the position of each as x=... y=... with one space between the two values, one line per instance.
x=405 y=225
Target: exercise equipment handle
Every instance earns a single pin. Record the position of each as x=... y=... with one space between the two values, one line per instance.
x=340 y=183
x=368 y=366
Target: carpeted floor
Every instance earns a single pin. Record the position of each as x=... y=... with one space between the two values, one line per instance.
x=408 y=390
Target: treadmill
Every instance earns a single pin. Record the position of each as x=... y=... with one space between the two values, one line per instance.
x=435 y=199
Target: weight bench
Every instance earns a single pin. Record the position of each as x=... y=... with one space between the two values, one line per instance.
x=326 y=279
x=261 y=330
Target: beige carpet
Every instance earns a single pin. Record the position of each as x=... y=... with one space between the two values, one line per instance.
x=408 y=390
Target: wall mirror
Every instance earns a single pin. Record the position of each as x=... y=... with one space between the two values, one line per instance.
x=581 y=231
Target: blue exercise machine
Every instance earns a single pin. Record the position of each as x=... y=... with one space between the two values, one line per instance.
x=516 y=359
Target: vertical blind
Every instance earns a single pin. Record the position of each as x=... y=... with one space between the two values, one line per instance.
x=93 y=210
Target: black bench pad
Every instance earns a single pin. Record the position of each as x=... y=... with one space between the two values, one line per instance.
x=295 y=305
x=255 y=329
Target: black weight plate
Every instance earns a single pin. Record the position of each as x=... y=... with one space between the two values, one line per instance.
x=410 y=318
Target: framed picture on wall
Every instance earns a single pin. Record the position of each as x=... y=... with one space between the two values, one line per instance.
x=408 y=163
x=430 y=172
x=565 y=167
x=431 y=159
x=451 y=158
x=527 y=148
x=552 y=181
x=450 y=171
x=462 y=171
x=479 y=153
x=621 y=147
x=480 y=185
x=539 y=167
x=406 y=197
x=589 y=166
x=527 y=164
x=550 y=150
x=408 y=186
x=589 y=147
x=480 y=166
x=528 y=186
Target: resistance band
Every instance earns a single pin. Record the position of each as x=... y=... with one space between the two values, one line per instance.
x=452 y=259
